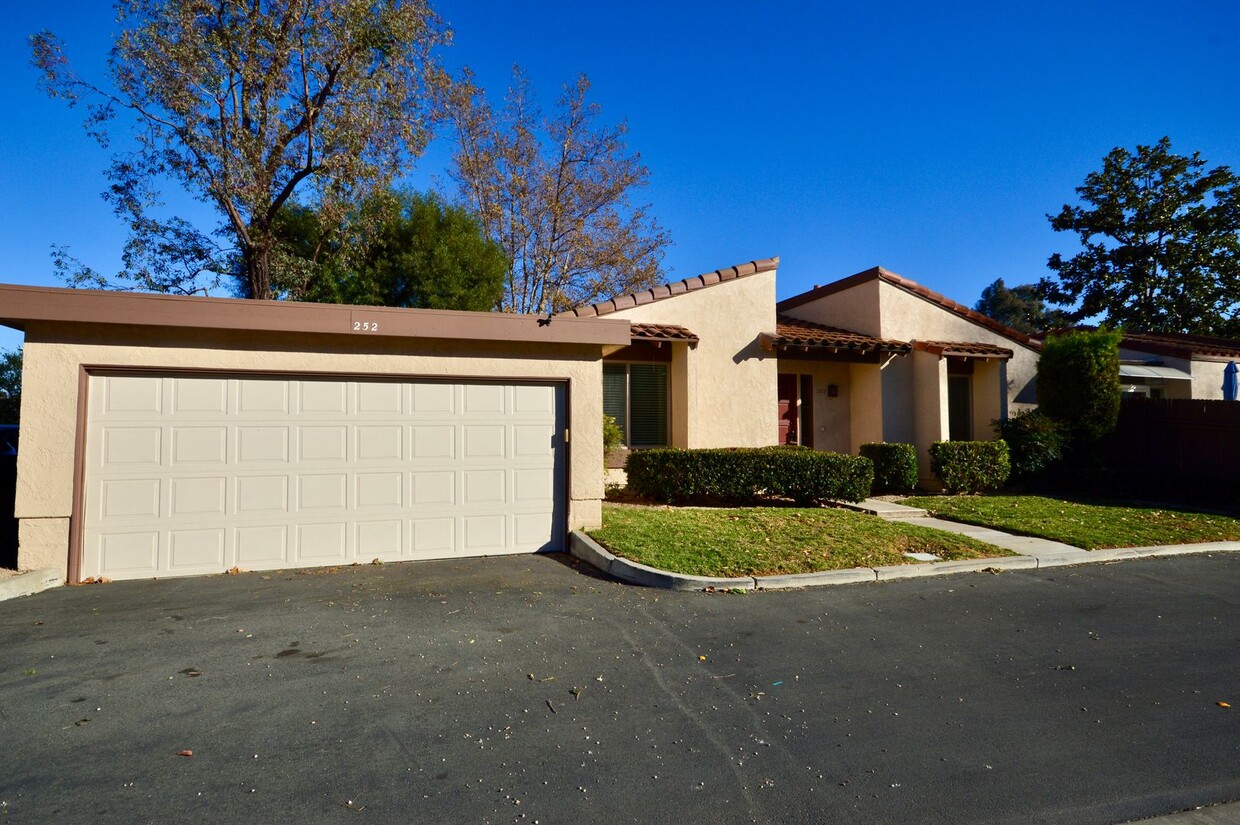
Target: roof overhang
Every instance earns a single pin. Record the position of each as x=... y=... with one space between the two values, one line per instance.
x=964 y=349
x=21 y=306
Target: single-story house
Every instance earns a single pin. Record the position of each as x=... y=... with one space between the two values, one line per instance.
x=1175 y=365
x=167 y=435
x=716 y=361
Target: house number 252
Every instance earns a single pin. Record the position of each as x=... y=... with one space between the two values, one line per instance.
x=365 y=326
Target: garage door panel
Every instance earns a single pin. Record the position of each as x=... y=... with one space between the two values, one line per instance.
x=262 y=444
x=200 y=395
x=199 y=445
x=196 y=551
x=262 y=494
x=198 y=496
x=262 y=547
x=302 y=472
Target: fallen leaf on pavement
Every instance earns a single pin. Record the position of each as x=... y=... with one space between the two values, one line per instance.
x=185 y=753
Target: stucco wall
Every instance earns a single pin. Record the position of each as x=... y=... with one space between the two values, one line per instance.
x=907 y=317
x=856 y=309
x=729 y=387
x=832 y=416
x=54 y=353
x=1208 y=379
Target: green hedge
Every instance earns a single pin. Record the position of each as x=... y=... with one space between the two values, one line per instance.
x=895 y=467
x=970 y=466
x=741 y=475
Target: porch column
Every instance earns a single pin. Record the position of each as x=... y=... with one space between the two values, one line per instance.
x=865 y=405
x=929 y=408
x=682 y=403
x=989 y=396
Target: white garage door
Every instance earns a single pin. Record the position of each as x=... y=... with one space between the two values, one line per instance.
x=188 y=475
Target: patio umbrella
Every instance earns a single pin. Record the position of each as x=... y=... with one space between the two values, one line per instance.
x=1231 y=384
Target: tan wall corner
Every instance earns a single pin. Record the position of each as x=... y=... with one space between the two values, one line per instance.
x=43 y=542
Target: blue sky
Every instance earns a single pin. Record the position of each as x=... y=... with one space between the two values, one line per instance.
x=931 y=139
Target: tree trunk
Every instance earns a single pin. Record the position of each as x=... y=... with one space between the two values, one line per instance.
x=258 y=271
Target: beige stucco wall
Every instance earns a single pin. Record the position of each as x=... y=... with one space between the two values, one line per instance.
x=54 y=353
x=865 y=383
x=907 y=317
x=856 y=309
x=929 y=407
x=832 y=416
x=1208 y=379
x=727 y=382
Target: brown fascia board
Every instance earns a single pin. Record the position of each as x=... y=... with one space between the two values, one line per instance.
x=913 y=288
x=22 y=305
x=664 y=291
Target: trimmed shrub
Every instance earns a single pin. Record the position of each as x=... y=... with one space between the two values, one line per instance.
x=970 y=466
x=895 y=466
x=1078 y=382
x=740 y=475
x=1036 y=443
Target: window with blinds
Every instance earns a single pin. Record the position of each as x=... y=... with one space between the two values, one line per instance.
x=636 y=396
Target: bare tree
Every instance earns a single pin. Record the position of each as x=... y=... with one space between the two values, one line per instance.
x=244 y=102
x=556 y=194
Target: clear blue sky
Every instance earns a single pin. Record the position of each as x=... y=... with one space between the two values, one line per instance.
x=929 y=138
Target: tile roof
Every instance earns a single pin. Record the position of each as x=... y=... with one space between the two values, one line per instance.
x=965 y=349
x=793 y=332
x=661 y=332
x=1181 y=345
x=878 y=273
x=662 y=291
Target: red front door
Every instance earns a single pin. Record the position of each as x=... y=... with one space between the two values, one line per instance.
x=788 y=409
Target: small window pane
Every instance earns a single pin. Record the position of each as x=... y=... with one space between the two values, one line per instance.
x=615 y=395
x=648 y=405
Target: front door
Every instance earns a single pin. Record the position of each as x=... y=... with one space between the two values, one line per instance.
x=788 y=409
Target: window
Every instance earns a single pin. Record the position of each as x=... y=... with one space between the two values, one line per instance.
x=959 y=408
x=636 y=396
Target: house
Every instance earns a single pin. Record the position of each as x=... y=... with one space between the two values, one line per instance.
x=1175 y=365
x=167 y=435
x=716 y=361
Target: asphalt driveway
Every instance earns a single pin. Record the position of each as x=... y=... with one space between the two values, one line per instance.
x=525 y=689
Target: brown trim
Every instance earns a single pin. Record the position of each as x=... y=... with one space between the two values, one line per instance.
x=664 y=291
x=963 y=350
x=77 y=514
x=21 y=305
x=913 y=288
x=88 y=371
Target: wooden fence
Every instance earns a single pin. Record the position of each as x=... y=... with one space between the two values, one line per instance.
x=1179 y=438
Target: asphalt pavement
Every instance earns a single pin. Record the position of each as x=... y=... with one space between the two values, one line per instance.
x=530 y=689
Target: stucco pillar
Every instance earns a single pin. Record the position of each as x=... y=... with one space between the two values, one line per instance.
x=683 y=392
x=865 y=405
x=989 y=397
x=929 y=407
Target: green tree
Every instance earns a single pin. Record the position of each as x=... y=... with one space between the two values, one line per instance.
x=1021 y=307
x=10 y=386
x=405 y=249
x=557 y=195
x=1078 y=382
x=244 y=105
x=1160 y=239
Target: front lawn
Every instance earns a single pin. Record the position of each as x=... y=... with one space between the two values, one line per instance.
x=769 y=541
x=1091 y=526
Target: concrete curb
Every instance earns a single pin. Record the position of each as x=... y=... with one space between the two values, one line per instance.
x=29 y=583
x=588 y=550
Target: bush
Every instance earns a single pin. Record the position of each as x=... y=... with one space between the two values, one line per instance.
x=895 y=467
x=741 y=475
x=970 y=466
x=1078 y=382
x=1036 y=443
x=613 y=436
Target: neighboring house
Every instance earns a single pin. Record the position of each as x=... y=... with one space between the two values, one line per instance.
x=715 y=361
x=1175 y=365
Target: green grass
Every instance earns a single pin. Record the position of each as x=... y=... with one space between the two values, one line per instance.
x=1091 y=526
x=767 y=541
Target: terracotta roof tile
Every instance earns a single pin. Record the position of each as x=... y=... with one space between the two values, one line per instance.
x=1181 y=345
x=967 y=349
x=661 y=332
x=878 y=273
x=662 y=291
x=793 y=332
